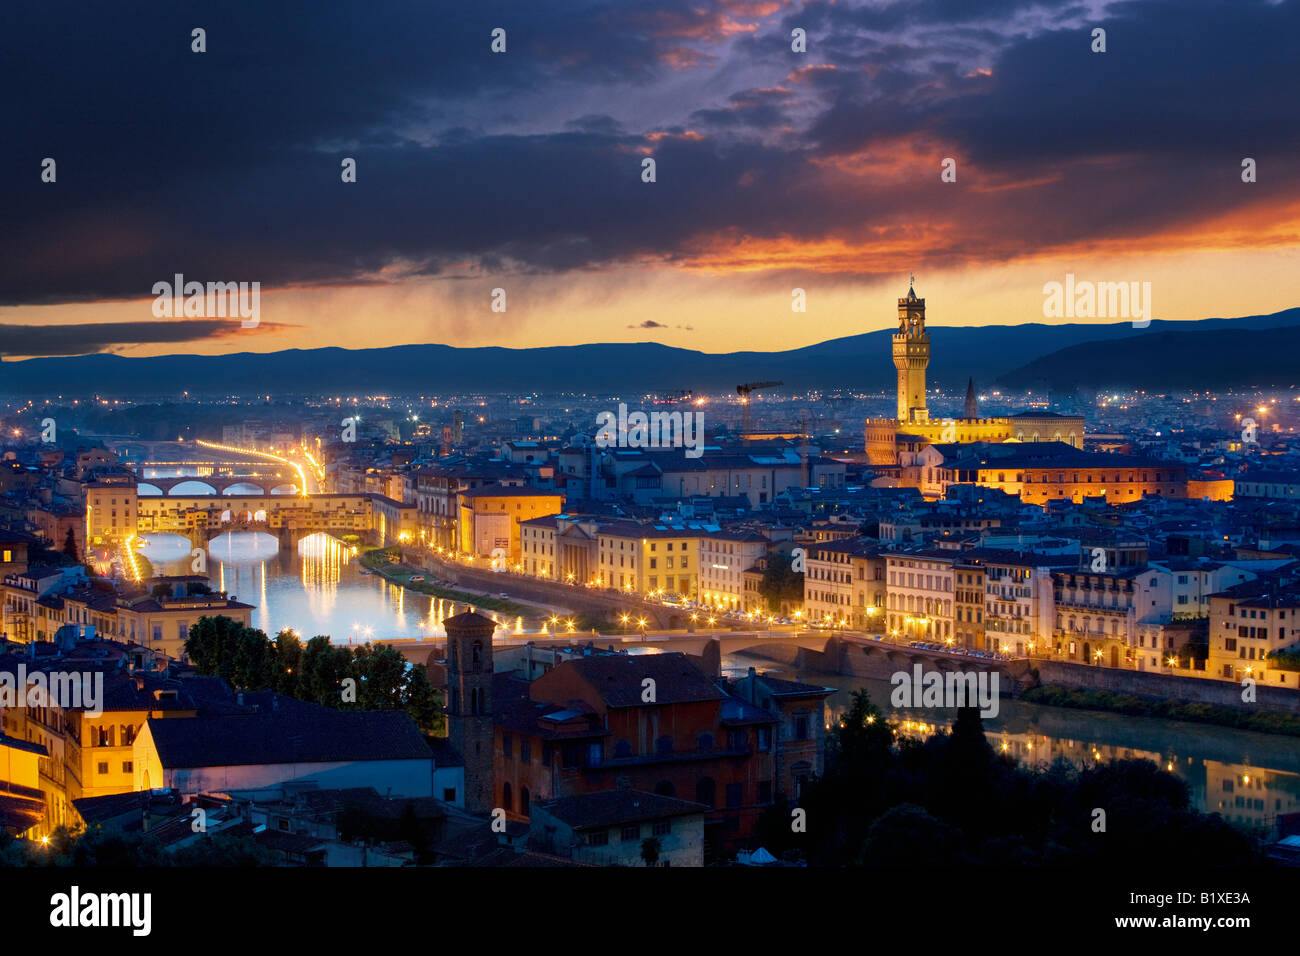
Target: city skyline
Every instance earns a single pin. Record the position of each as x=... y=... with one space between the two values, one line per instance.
x=846 y=436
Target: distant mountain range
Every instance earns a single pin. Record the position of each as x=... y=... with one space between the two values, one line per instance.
x=1259 y=350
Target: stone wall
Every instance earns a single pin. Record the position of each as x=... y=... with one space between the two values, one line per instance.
x=1164 y=686
x=881 y=660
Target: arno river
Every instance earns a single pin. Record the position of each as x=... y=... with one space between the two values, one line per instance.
x=1247 y=777
x=321 y=589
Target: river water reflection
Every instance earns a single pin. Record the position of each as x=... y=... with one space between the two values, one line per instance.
x=1247 y=777
x=317 y=588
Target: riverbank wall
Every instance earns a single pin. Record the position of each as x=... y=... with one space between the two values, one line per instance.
x=880 y=660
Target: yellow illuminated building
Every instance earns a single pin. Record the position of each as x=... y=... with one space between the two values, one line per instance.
x=490 y=516
x=911 y=354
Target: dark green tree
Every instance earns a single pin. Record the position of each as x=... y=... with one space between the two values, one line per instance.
x=70 y=546
x=780 y=582
x=211 y=645
x=908 y=836
x=650 y=848
x=288 y=663
x=380 y=670
x=423 y=702
x=324 y=667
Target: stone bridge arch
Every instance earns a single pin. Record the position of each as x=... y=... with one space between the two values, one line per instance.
x=241 y=489
x=201 y=487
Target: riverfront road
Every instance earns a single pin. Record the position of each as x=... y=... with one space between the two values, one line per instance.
x=693 y=642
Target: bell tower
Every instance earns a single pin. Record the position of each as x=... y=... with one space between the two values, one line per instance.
x=972 y=403
x=469 y=704
x=911 y=356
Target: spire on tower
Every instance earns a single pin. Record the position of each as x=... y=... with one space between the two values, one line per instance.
x=972 y=405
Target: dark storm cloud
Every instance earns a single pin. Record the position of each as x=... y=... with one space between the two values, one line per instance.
x=225 y=165
x=1177 y=78
x=760 y=109
x=97 y=337
x=823 y=15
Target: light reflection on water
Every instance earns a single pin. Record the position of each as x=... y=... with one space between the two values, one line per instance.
x=317 y=588
x=1248 y=778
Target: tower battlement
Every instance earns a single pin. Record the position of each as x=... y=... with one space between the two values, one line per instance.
x=911 y=358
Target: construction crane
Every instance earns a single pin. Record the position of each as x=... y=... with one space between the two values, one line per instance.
x=744 y=391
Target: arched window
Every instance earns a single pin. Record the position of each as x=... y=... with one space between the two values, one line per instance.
x=507 y=798
x=476 y=651
x=706 y=792
x=523 y=800
x=704 y=743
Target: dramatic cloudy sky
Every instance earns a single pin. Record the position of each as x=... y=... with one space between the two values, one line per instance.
x=522 y=170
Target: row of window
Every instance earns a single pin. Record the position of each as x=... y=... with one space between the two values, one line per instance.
x=627 y=834
x=1259 y=633
x=906 y=602
x=1281 y=614
x=930 y=582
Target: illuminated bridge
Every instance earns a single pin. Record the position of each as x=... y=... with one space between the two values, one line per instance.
x=178 y=454
x=216 y=468
x=224 y=485
x=201 y=517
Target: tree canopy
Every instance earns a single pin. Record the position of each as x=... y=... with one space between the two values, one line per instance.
x=886 y=801
x=315 y=671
